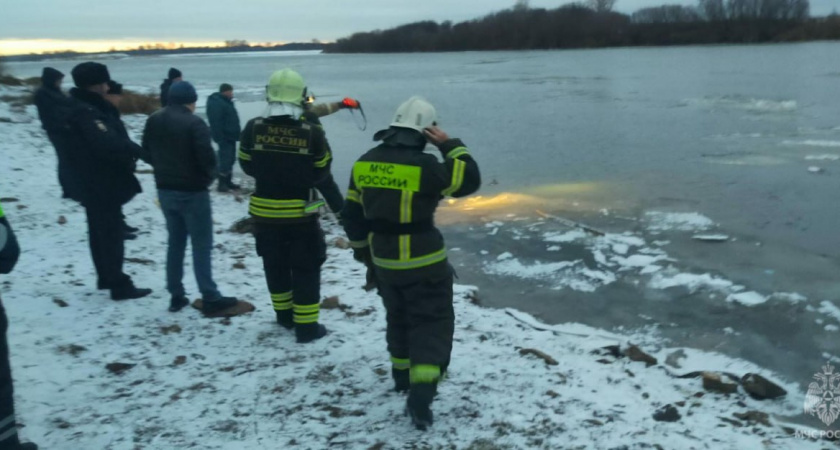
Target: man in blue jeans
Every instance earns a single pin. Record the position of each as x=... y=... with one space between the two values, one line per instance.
x=176 y=143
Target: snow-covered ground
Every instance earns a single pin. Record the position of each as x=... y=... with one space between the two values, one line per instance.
x=243 y=383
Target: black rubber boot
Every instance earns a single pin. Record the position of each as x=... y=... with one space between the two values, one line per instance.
x=177 y=303
x=129 y=292
x=284 y=318
x=402 y=379
x=212 y=307
x=309 y=332
x=418 y=405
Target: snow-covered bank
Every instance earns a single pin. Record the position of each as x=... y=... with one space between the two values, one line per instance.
x=192 y=382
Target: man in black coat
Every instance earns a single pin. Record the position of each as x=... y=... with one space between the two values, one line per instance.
x=173 y=76
x=103 y=162
x=176 y=143
x=225 y=129
x=53 y=108
x=9 y=440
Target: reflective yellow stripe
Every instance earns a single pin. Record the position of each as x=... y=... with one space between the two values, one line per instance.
x=411 y=263
x=2 y=214
x=272 y=203
x=324 y=161
x=405 y=206
x=244 y=156
x=277 y=214
x=282 y=301
x=457 y=177
x=306 y=313
x=354 y=196
x=424 y=373
x=358 y=244
x=400 y=363
x=313 y=206
x=405 y=247
x=457 y=151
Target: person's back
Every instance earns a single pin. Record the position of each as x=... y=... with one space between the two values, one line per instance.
x=389 y=218
x=54 y=109
x=176 y=143
x=288 y=156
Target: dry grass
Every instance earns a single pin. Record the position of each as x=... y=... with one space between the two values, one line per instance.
x=136 y=103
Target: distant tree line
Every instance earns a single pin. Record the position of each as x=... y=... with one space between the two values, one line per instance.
x=167 y=49
x=594 y=24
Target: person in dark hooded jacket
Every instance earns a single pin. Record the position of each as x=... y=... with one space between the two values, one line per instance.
x=173 y=76
x=53 y=107
x=225 y=129
x=104 y=160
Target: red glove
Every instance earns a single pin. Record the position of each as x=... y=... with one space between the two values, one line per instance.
x=350 y=103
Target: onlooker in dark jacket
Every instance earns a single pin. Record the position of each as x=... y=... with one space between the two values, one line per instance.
x=176 y=143
x=103 y=162
x=225 y=128
x=173 y=76
x=9 y=252
x=53 y=107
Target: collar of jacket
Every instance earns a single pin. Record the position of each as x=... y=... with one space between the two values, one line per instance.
x=92 y=99
x=219 y=96
x=401 y=137
x=178 y=108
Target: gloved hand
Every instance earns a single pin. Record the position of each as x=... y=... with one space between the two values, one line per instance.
x=362 y=255
x=350 y=103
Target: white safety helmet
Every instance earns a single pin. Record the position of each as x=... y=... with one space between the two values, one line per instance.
x=416 y=113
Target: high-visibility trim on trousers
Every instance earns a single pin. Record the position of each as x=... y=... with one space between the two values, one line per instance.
x=8 y=428
x=424 y=373
x=282 y=301
x=400 y=363
x=306 y=313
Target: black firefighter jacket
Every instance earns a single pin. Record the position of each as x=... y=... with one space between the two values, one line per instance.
x=223 y=118
x=176 y=143
x=288 y=158
x=394 y=192
x=100 y=154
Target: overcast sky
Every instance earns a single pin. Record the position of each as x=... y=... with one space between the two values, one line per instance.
x=253 y=20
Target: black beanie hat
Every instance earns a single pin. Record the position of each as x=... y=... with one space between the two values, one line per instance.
x=225 y=87
x=174 y=73
x=90 y=73
x=49 y=76
x=182 y=93
x=114 y=88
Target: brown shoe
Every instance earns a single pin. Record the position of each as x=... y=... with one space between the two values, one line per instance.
x=235 y=309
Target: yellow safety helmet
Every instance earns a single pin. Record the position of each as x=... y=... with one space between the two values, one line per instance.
x=286 y=86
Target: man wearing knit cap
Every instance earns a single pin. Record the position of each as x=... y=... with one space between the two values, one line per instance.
x=176 y=143
x=53 y=107
x=103 y=160
x=225 y=128
x=173 y=76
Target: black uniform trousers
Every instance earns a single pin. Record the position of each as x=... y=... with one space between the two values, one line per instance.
x=421 y=321
x=292 y=257
x=107 y=247
x=8 y=425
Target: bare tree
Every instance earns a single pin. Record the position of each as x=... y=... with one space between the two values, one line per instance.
x=713 y=10
x=601 y=5
x=521 y=5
